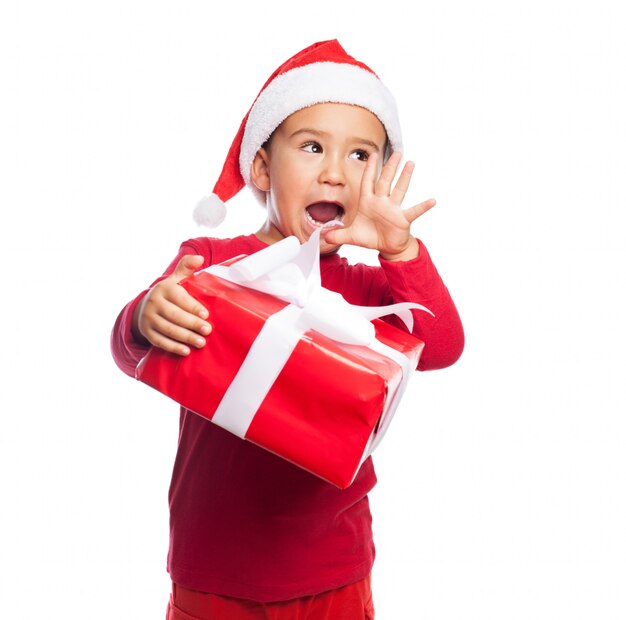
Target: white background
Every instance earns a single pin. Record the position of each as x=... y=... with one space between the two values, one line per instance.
x=502 y=480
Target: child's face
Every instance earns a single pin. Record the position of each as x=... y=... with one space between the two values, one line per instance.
x=312 y=169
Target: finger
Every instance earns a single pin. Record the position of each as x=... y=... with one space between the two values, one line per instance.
x=402 y=186
x=177 y=315
x=167 y=344
x=369 y=176
x=337 y=236
x=383 y=186
x=186 y=266
x=414 y=212
x=162 y=328
x=178 y=296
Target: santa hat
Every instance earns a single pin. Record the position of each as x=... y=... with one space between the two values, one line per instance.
x=321 y=73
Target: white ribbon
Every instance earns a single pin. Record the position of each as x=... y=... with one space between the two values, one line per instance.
x=290 y=271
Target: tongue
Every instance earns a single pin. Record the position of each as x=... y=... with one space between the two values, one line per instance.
x=323 y=211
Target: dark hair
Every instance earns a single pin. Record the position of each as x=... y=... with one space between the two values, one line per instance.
x=266 y=145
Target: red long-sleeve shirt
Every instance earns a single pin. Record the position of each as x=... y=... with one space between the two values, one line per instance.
x=246 y=523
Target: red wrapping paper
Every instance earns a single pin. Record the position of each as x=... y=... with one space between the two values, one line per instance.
x=325 y=404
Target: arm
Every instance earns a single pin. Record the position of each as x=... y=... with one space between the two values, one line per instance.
x=125 y=349
x=410 y=275
x=418 y=280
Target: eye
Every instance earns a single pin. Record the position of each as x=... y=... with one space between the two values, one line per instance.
x=312 y=147
x=360 y=154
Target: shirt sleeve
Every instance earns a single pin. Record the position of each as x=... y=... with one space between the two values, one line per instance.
x=418 y=281
x=128 y=352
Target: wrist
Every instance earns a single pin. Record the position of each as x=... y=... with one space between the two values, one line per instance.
x=409 y=253
x=138 y=337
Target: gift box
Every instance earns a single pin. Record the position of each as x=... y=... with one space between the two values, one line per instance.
x=289 y=365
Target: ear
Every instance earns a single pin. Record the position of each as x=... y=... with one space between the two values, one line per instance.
x=260 y=170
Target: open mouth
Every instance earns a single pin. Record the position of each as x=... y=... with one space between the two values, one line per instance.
x=320 y=213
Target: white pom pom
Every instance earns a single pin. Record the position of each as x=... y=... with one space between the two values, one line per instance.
x=210 y=211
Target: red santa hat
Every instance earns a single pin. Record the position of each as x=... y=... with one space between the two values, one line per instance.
x=321 y=73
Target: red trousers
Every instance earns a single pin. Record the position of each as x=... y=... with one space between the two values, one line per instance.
x=352 y=602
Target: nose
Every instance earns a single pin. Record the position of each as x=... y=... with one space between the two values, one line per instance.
x=332 y=170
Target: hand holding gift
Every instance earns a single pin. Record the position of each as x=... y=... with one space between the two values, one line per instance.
x=168 y=317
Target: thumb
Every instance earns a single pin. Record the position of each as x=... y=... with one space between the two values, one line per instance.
x=337 y=236
x=186 y=266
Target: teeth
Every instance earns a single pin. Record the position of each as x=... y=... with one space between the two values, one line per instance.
x=337 y=220
x=314 y=222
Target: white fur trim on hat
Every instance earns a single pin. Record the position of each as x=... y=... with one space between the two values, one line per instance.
x=320 y=82
x=210 y=211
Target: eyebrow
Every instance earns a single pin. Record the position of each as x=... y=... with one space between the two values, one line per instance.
x=317 y=132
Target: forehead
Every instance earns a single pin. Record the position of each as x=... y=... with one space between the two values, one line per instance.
x=338 y=119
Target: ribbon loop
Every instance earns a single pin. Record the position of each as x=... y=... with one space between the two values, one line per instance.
x=330 y=314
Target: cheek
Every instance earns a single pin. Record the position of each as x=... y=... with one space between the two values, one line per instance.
x=357 y=169
x=355 y=179
x=291 y=187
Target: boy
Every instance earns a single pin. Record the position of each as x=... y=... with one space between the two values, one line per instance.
x=252 y=536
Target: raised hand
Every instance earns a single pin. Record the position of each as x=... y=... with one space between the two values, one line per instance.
x=169 y=317
x=381 y=223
